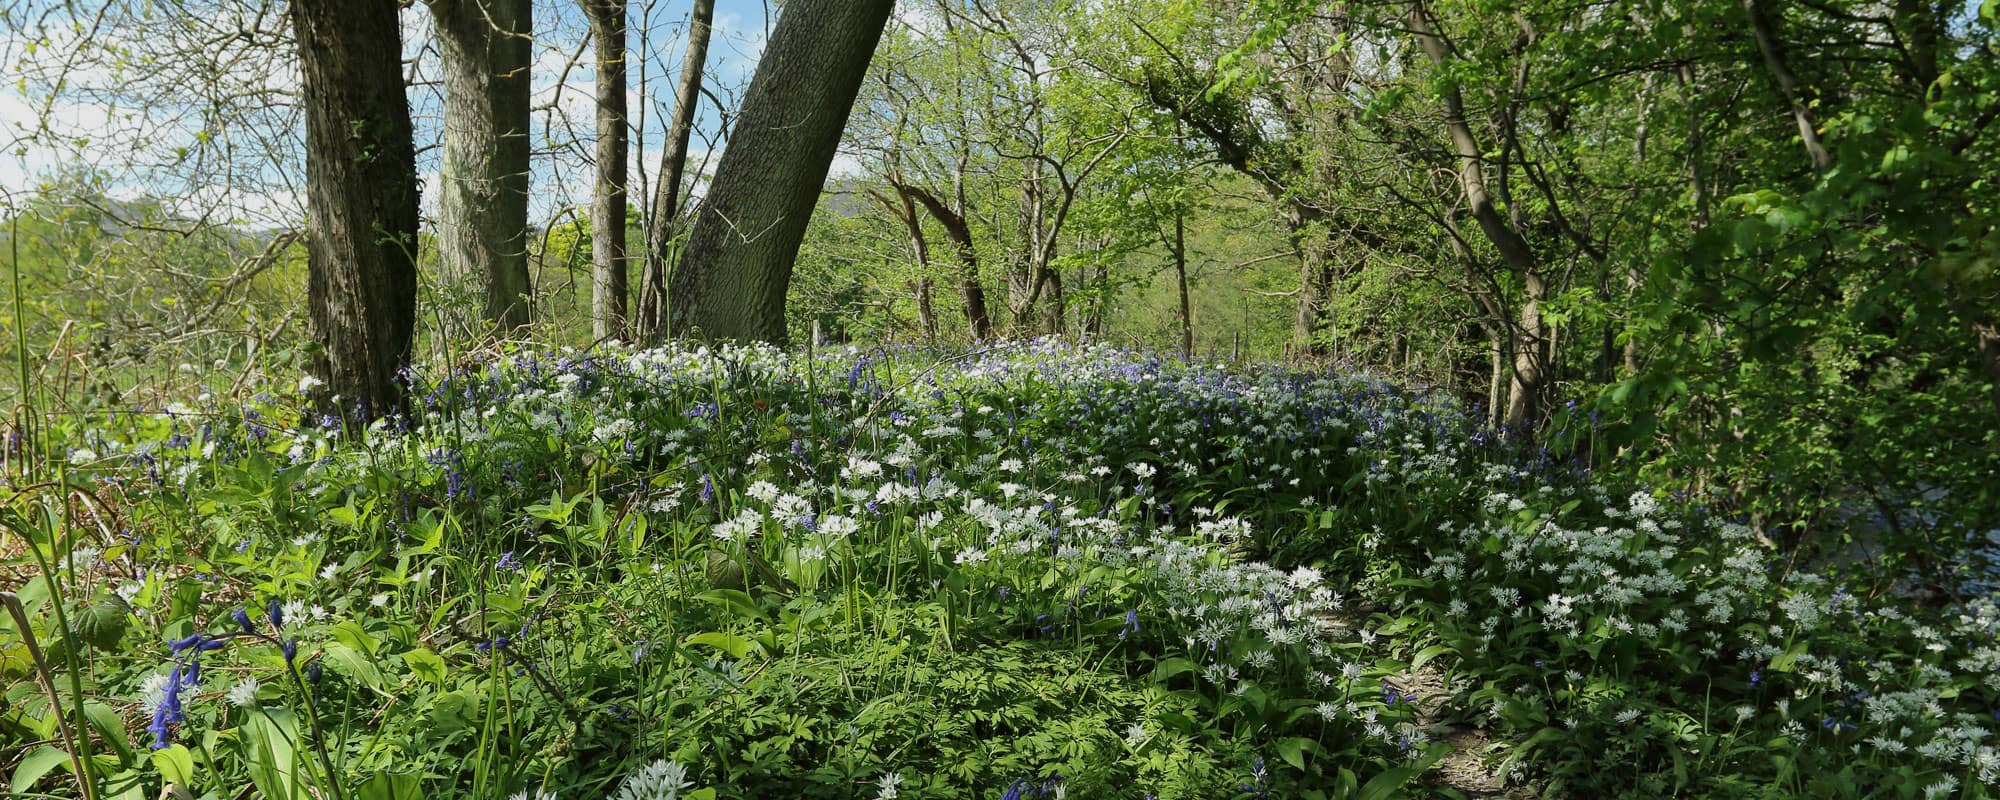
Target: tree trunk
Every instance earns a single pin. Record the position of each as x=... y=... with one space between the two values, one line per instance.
x=1100 y=295
x=1058 y=300
x=361 y=202
x=926 y=312
x=1495 y=392
x=483 y=199
x=652 y=321
x=971 y=291
x=1312 y=240
x=1532 y=352
x=1780 y=68
x=1531 y=345
x=1306 y=317
x=731 y=283
x=904 y=209
x=1986 y=337
x=1181 y=281
x=608 y=199
x=1024 y=282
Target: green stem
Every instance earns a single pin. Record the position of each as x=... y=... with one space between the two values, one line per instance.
x=81 y=724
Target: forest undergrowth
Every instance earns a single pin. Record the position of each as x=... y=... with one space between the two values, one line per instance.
x=1035 y=570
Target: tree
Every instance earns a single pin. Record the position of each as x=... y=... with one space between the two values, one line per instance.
x=483 y=202
x=361 y=201
x=733 y=276
x=1531 y=340
x=652 y=320
x=608 y=197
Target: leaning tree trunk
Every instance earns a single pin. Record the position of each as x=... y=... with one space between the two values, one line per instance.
x=732 y=279
x=607 y=199
x=1532 y=353
x=652 y=321
x=483 y=200
x=971 y=291
x=361 y=202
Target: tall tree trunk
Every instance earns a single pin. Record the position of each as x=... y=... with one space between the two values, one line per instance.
x=1100 y=296
x=1532 y=353
x=483 y=200
x=926 y=311
x=1306 y=317
x=1531 y=346
x=904 y=209
x=607 y=200
x=971 y=291
x=361 y=201
x=1024 y=282
x=1312 y=240
x=652 y=321
x=731 y=283
x=1776 y=62
x=1986 y=336
x=1058 y=300
x=1495 y=391
x=1181 y=281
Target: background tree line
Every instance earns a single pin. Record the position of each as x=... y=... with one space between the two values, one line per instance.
x=1739 y=246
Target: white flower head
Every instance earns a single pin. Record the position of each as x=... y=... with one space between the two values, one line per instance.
x=244 y=693
x=886 y=787
x=153 y=691
x=660 y=780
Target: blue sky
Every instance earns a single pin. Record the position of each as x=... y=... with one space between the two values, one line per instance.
x=92 y=123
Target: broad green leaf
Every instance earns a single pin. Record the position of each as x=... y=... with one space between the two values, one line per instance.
x=37 y=763
x=175 y=763
x=735 y=646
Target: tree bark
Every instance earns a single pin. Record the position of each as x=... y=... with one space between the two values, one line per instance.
x=1181 y=282
x=926 y=312
x=1310 y=233
x=1530 y=342
x=483 y=199
x=361 y=202
x=1780 y=68
x=971 y=291
x=904 y=209
x=1495 y=393
x=608 y=289
x=732 y=281
x=1987 y=338
x=652 y=319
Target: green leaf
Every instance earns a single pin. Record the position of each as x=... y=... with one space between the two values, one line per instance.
x=735 y=646
x=426 y=665
x=391 y=786
x=176 y=764
x=1391 y=782
x=1425 y=655
x=37 y=763
x=1293 y=750
x=356 y=664
x=1170 y=667
x=111 y=728
x=269 y=751
x=737 y=602
x=351 y=634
